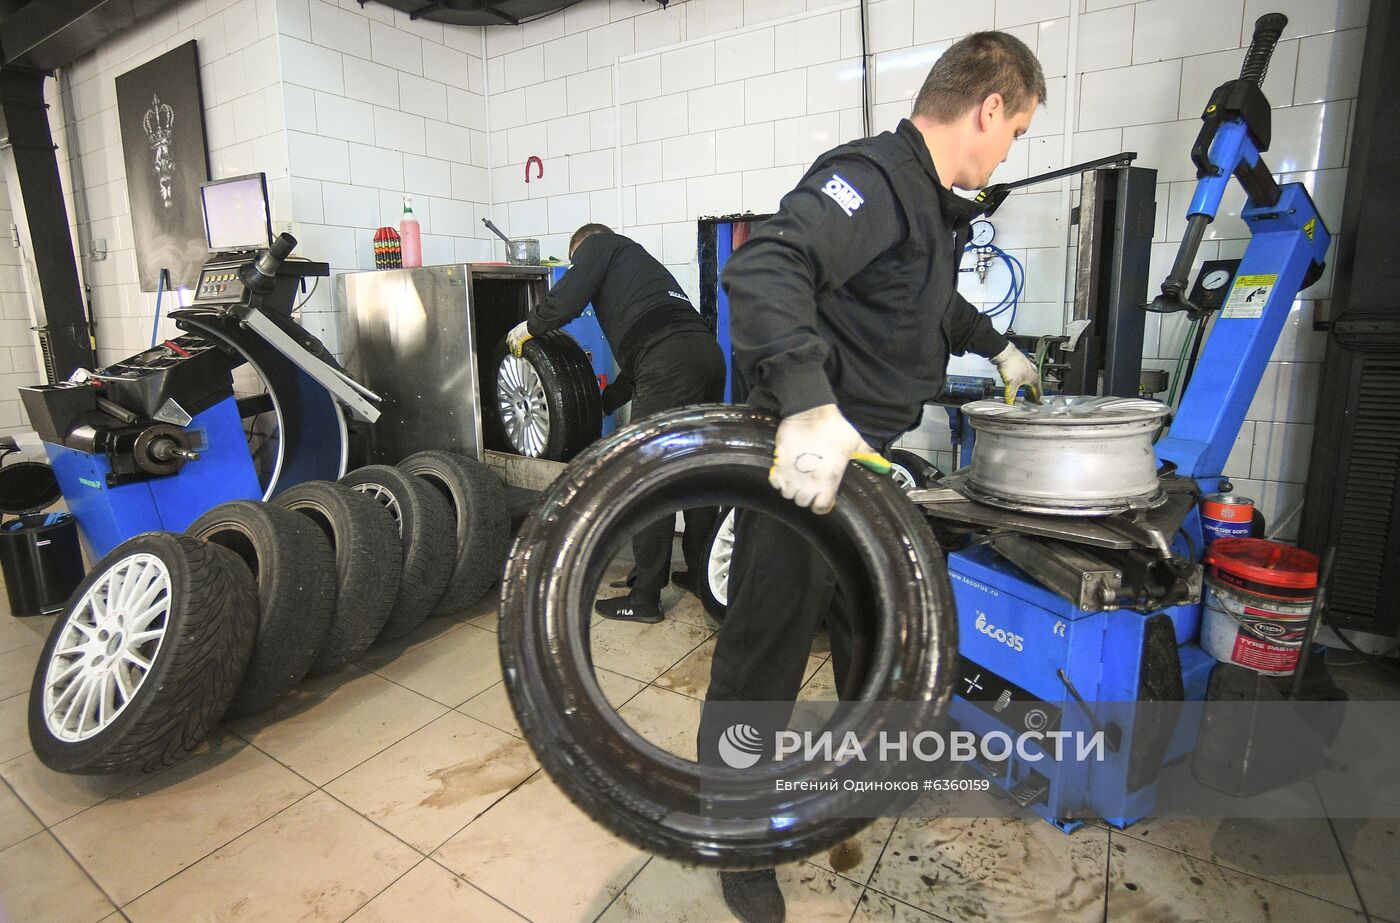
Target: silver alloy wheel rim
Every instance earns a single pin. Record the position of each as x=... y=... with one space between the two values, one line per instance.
x=903 y=477
x=721 y=554
x=524 y=409
x=385 y=498
x=106 y=648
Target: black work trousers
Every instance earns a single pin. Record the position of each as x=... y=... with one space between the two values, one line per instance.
x=683 y=369
x=781 y=590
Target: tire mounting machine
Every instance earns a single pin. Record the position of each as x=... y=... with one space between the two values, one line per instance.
x=1091 y=616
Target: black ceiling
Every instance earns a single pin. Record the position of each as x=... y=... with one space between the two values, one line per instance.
x=45 y=34
x=477 y=12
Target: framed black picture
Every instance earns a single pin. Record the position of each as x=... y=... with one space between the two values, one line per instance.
x=162 y=127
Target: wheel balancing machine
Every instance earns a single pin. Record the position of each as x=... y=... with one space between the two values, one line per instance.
x=1081 y=597
x=156 y=440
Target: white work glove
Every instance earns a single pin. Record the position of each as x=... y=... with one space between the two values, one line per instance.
x=515 y=340
x=810 y=457
x=1016 y=370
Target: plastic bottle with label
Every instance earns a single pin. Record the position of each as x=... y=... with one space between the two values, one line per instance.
x=411 y=236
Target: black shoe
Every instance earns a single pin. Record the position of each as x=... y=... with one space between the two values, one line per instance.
x=753 y=897
x=685 y=579
x=625 y=609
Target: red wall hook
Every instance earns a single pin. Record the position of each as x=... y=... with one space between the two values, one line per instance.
x=537 y=162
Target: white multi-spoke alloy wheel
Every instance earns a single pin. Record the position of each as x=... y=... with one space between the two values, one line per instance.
x=145 y=658
x=106 y=647
x=721 y=555
x=524 y=407
x=385 y=498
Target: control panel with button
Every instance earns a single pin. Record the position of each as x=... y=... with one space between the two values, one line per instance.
x=218 y=283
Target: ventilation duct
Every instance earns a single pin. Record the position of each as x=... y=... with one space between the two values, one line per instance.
x=476 y=12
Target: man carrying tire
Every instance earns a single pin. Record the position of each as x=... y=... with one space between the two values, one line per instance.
x=844 y=310
x=668 y=358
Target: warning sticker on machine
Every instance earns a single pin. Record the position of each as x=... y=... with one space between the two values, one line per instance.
x=1248 y=296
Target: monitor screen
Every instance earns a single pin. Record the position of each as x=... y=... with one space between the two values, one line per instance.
x=236 y=213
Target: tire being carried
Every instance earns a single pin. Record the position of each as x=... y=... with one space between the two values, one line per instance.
x=146 y=657
x=482 y=520
x=426 y=529
x=879 y=545
x=368 y=565
x=294 y=568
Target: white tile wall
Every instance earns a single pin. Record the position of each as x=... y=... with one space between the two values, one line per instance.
x=1143 y=72
x=723 y=104
x=423 y=85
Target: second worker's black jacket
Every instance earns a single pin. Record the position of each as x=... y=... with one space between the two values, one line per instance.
x=637 y=300
x=848 y=295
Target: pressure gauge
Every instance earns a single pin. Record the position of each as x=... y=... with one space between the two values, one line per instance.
x=982 y=233
x=1215 y=279
x=1213 y=284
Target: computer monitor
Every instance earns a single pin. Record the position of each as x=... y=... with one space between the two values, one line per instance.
x=236 y=214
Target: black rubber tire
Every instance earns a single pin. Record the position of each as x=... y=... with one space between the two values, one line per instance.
x=559 y=399
x=587 y=416
x=294 y=568
x=368 y=565
x=482 y=518
x=703 y=590
x=571 y=394
x=194 y=672
x=720 y=456
x=922 y=472
x=427 y=530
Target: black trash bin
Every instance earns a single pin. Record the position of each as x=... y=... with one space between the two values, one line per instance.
x=40 y=553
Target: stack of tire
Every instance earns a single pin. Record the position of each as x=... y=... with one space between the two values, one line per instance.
x=170 y=633
x=546 y=402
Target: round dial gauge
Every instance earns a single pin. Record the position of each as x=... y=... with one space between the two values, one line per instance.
x=1215 y=280
x=982 y=233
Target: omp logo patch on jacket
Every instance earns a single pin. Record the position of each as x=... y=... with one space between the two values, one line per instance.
x=843 y=194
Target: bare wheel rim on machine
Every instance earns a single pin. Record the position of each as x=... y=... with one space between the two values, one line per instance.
x=1071 y=455
x=671 y=806
x=145 y=659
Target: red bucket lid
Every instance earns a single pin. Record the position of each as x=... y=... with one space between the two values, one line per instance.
x=1264 y=562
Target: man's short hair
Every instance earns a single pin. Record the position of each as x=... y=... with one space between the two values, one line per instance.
x=976 y=67
x=588 y=230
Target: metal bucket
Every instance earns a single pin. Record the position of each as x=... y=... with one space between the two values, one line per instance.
x=1071 y=455
x=524 y=252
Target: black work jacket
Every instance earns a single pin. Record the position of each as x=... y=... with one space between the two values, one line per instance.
x=637 y=300
x=849 y=293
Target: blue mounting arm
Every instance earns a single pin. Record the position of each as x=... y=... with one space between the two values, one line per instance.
x=1288 y=245
x=1288 y=240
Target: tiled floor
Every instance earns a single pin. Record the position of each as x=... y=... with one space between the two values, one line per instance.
x=400 y=790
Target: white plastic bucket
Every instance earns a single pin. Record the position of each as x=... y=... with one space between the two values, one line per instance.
x=1253 y=631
